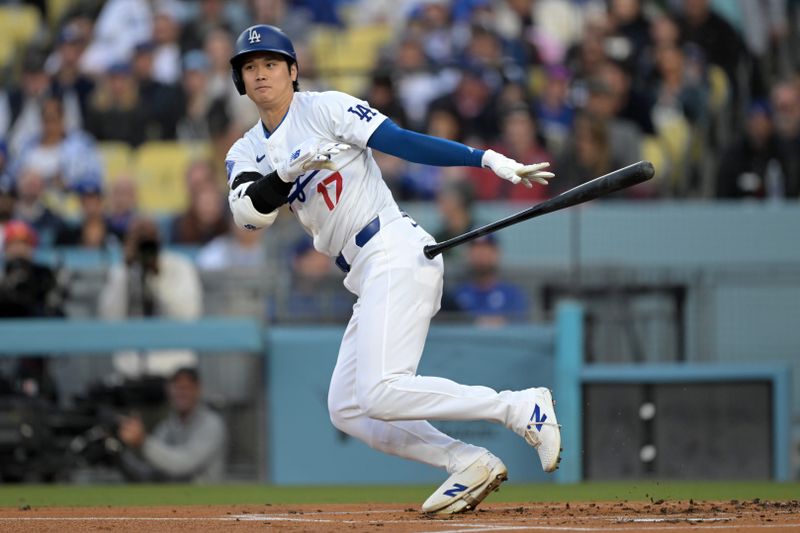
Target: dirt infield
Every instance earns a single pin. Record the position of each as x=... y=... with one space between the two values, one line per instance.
x=657 y=515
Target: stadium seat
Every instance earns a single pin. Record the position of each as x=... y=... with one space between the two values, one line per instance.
x=653 y=150
x=345 y=58
x=56 y=9
x=160 y=170
x=675 y=134
x=117 y=160
x=6 y=52
x=19 y=23
x=720 y=92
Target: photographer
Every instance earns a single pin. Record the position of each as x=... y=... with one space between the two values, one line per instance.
x=27 y=289
x=152 y=282
x=189 y=445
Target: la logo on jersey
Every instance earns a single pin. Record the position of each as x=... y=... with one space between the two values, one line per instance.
x=254 y=36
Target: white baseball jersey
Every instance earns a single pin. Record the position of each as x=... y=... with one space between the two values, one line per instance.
x=331 y=205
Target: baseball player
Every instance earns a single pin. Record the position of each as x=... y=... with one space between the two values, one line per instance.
x=312 y=151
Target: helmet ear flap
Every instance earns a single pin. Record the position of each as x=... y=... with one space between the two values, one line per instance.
x=238 y=81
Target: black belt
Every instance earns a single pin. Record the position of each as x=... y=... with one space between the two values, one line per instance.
x=362 y=238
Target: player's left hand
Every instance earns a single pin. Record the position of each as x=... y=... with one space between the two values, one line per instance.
x=515 y=172
x=313 y=154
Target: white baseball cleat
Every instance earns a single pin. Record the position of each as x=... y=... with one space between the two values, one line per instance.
x=464 y=490
x=541 y=429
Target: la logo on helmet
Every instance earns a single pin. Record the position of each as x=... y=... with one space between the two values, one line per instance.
x=254 y=36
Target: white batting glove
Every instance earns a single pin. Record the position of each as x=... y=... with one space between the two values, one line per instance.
x=311 y=154
x=510 y=170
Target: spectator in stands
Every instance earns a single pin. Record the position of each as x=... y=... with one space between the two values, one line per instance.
x=416 y=84
x=381 y=94
x=554 y=111
x=474 y=102
x=204 y=219
x=786 y=103
x=64 y=66
x=92 y=230
x=484 y=51
x=753 y=166
x=151 y=282
x=423 y=182
x=588 y=154
x=764 y=30
x=188 y=446
x=119 y=27
x=205 y=216
x=718 y=40
x=31 y=207
x=24 y=103
x=633 y=104
x=513 y=20
x=629 y=31
x=681 y=88
x=62 y=156
x=513 y=94
x=197 y=101
x=122 y=206
x=588 y=55
x=161 y=103
x=115 y=110
x=434 y=24
x=484 y=297
x=8 y=200
x=293 y=21
x=166 y=51
x=312 y=295
x=27 y=288
x=519 y=138
x=239 y=112
x=238 y=248
x=604 y=102
x=211 y=15
x=454 y=203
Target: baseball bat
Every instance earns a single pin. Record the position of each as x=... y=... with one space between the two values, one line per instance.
x=605 y=184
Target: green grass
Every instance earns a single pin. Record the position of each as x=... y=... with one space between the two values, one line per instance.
x=117 y=495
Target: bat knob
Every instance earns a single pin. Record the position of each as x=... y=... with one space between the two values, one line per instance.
x=429 y=251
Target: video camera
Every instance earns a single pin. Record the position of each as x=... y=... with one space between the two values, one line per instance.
x=44 y=442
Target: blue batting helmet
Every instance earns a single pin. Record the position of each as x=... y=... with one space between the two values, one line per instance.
x=259 y=38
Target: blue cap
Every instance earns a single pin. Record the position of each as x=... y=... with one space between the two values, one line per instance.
x=119 y=67
x=144 y=46
x=85 y=188
x=760 y=106
x=303 y=245
x=69 y=34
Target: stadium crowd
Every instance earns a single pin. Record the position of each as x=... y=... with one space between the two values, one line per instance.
x=709 y=90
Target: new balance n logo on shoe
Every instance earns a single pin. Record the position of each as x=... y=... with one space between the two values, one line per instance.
x=455 y=490
x=538 y=418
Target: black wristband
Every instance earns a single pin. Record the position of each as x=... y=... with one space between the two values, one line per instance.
x=267 y=193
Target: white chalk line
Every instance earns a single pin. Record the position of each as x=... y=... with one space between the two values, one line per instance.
x=660 y=523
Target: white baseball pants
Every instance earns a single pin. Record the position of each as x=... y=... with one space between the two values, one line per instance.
x=375 y=394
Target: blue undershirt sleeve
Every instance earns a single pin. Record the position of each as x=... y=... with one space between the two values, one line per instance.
x=391 y=139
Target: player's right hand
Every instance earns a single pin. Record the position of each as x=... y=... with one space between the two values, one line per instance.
x=313 y=154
